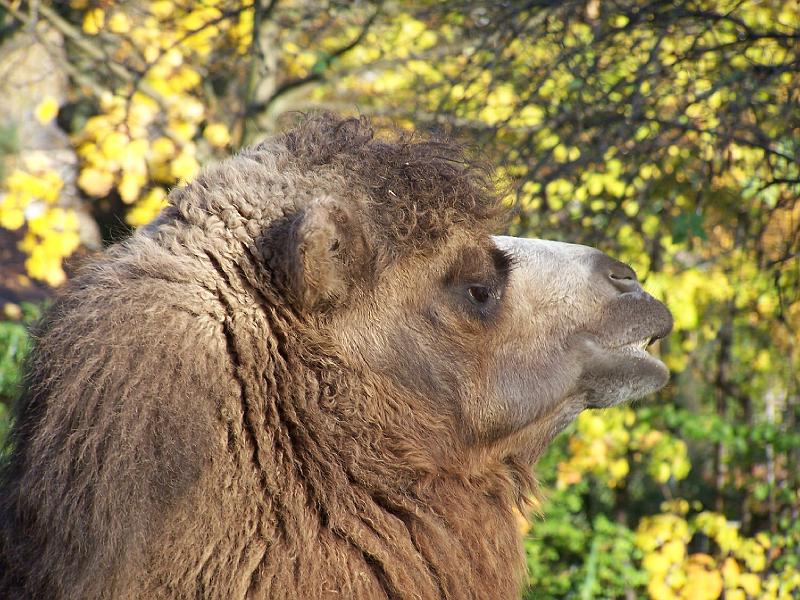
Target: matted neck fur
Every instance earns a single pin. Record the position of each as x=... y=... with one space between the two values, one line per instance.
x=315 y=375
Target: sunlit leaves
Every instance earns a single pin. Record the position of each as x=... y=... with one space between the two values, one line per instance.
x=162 y=86
x=605 y=444
x=29 y=198
x=151 y=134
x=674 y=572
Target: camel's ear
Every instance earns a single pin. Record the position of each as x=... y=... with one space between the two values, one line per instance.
x=312 y=255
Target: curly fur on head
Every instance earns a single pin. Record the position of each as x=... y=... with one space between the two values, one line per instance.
x=418 y=189
x=196 y=424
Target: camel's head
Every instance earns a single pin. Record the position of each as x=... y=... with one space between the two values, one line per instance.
x=511 y=337
x=506 y=338
x=576 y=336
x=514 y=336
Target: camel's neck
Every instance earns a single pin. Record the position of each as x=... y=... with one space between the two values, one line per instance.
x=468 y=534
x=451 y=541
x=336 y=488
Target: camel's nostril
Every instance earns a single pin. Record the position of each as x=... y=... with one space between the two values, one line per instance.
x=617 y=273
x=623 y=278
x=620 y=276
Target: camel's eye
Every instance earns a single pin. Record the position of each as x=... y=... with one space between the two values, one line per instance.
x=477 y=281
x=479 y=294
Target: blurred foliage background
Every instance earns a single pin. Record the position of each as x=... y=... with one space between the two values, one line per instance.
x=665 y=132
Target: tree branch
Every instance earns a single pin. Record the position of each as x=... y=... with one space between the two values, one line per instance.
x=254 y=108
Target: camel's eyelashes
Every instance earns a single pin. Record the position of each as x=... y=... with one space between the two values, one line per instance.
x=503 y=262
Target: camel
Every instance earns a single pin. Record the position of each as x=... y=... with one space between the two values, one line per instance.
x=317 y=374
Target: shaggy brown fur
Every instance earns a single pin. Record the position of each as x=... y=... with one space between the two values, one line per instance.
x=190 y=431
x=301 y=381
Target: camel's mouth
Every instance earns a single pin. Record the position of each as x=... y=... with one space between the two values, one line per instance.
x=620 y=366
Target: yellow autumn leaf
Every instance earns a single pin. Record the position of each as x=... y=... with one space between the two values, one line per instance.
x=615 y=186
x=161 y=9
x=184 y=167
x=751 y=583
x=619 y=468
x=63 y=219
x=129 y=187
x=561 y=153
x=46 y=110
x=39 y=224
x=702 y=581
x=119 y=23
x=217 y=135
x=731 y=571
x=93 y=21
x=11 y=217
x=594 y=183
x=674 y=551
x=147 y=208
x=45 y=267
x=132 y=158
x=530 y=115
x=162 y=149
x=182 y=130
x=191 y=110
x=95 y=182
x=113 y=144
x=656 y=563
x=60 y=244
x=659 y=590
